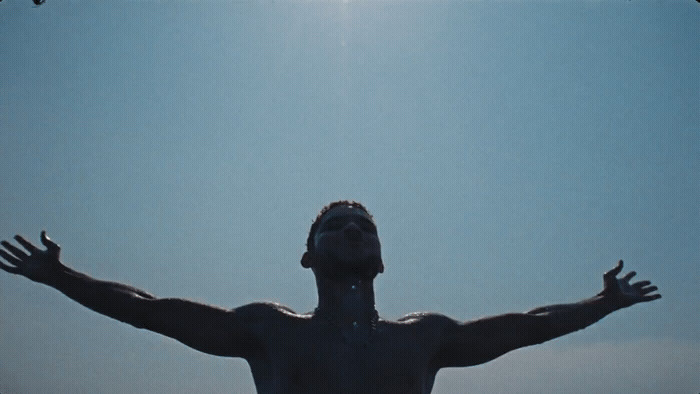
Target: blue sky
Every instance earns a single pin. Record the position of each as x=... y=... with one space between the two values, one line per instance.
x=510 y=152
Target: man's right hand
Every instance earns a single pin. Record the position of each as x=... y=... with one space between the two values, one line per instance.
x=39 y=265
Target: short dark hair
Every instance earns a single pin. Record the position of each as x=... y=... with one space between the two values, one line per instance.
x=317 y=221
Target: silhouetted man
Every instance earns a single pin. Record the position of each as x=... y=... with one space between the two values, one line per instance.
x=343 y=346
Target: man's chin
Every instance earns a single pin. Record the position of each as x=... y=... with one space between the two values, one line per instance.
x=339 y=268
x=363 y=273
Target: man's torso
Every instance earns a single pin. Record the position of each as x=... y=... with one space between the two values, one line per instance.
x=301 y=353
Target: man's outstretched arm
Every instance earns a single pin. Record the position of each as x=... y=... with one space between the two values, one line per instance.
x=206 y=328
x=482 y=340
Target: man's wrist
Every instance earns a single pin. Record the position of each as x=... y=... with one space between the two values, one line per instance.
x=605 y=303
x=57 y=276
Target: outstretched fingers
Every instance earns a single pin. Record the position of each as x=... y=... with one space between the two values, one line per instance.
x=50 y=245
x=652 y=297
x=10 y=259
x=9 y=268
x=14 y=250
x=641 y=284
x=624 y=292
x=648 y=290
x=629 y=275
x=26 y=244
x=644 y=288
x=610 y=278
x=615 y=271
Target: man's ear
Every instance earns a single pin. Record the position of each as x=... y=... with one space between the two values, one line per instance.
x=380 y=266
x=307 y=260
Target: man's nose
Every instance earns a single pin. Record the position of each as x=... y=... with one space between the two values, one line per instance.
x=352 y=232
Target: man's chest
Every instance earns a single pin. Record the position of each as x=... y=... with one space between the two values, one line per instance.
x=321 y=357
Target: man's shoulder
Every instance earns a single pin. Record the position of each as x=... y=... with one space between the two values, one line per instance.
x=426 y=328
x=432 y=319
x=265 y=310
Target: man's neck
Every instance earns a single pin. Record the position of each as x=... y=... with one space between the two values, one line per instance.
x=347 y=301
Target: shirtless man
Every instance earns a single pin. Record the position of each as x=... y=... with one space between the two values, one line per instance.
x=343 y=346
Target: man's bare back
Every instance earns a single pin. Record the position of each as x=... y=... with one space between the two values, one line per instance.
x=343 y=346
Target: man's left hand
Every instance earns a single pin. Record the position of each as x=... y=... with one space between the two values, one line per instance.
x=621 y=294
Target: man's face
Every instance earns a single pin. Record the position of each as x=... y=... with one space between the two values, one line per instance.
x=348 y=237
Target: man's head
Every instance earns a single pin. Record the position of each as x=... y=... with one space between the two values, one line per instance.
x=343 y=241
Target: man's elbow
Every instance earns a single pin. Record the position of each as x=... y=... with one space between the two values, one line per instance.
x=143 y=313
